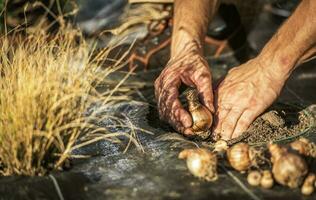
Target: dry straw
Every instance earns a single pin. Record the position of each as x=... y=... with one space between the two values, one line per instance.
x=47 y=84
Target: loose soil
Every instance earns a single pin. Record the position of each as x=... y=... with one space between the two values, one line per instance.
x=281 y=122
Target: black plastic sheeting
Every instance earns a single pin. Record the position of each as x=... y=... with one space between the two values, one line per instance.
x=156 y=173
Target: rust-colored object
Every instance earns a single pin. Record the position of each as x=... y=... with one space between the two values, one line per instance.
x=201 y=163
x=288 y=168
x=157 y=31
x=201 y=117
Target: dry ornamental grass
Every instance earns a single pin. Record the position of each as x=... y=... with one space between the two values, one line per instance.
x=46 y=85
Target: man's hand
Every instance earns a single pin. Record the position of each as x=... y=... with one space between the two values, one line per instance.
x=187 y=65
x=192 y=70
x=251 y=88
x=243 y=95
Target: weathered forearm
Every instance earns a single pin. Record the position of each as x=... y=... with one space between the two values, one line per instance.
x=294 y=42
x=191 y=19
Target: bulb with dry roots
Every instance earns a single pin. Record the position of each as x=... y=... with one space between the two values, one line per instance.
x=308 y=185
x=305 y=147
x=276 y=151
x=241 y=156
x=201 y=117
x=267 y=179
x=302 y=146
x=254 y=178
x=288 y=168
x=201 y=163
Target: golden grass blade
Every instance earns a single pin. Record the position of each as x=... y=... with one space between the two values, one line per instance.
x=47 y=85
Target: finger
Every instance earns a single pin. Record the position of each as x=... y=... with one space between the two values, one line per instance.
x=204 y=86
x=219 y=82
x=219 y=118
x=218 y=98
x=244 y=122
x=177 y=125
x=188 y=132
x=203 y=81
x=229 y=123
x=172 y=109
x=164 y=89
x=179 y=114
x=163 y=81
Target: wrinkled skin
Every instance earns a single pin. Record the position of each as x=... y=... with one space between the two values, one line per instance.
x=248 y=89
x=192 y=70
x=243 y=95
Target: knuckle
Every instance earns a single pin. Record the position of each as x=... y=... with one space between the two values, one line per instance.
x=253 y=102
x=224 y=105
x=232 y=70
x=205 y=81
x=243 y=124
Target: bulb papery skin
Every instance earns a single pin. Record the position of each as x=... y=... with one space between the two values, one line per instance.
x=201 y=163
x=307 y=190
x=304 y=147
x=304 y=140
x=238 y=156
x=308 y=185
x=276 y=151
x=202 y=118
x=300 y=146
x=289 y=170
x=267 y=180
x=254 y=178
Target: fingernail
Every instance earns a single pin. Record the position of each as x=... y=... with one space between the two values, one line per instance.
x=188 y=132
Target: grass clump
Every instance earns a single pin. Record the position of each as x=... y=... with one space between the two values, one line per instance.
x=47 y=84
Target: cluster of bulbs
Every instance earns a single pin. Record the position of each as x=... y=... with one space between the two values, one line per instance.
x=289 y=166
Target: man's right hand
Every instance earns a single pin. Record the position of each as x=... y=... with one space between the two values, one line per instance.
x=191 y=69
